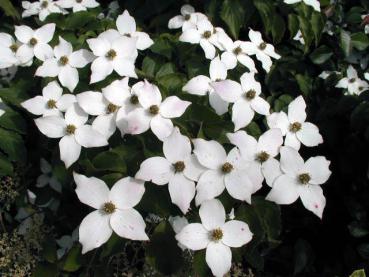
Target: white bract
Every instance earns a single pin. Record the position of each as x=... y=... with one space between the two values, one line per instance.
x=300 y=179
x=263 y=51
x=126 y=26
x=114 y=210
x=42 y=8
x=294 y=127
x=73 y=131
x=245 y=96
x=216 y=235
x=64 y=64
x=187 y=19
x=178 y=168
x=178 y=223
x=200 y=85
x=35 y=43
x=313 y=3
x=78 y=5
x=299 y=37
x=260 y=154
x=52 y=101
x=204 y=35
x=3 y=107
x=154 y=113
x=352 y=83
x=224 y=171
x=114 y=53
x=8 y=50
x=47 y=177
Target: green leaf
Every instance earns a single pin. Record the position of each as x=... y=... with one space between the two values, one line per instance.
x=317 y=25
x=162 y=47
x=306 y=30
x=199 y=264
x=166 y=69
x=345 y=42
x=45 y=269
x=72 y=261
x=278 y=28
x=358 y=273
x=12 y=144
x=13 y=121
x=9 y=9
x=321 y=55
x=360 y=41
x=78 y=20
x=305 y=83
x=6 y=167
x=109 y=161
x=232 y=13
x=266 y=11
x=293 y=24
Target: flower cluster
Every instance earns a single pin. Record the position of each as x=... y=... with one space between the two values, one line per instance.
x=194 y=168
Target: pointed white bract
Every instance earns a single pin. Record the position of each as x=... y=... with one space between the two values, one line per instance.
x=230 y=171
x=8 y=51
x=179 y=168
x=187 y=19
x=155 y=114
x=64 y=63
x=114 y=210
x=216 y=236
x=77 y=5
x=352 y=83
x=313 y=3
x=294 y=126
x=236 y=52
x=52 y=101
x=302 y=180
x=42 y=8
x=73 y=131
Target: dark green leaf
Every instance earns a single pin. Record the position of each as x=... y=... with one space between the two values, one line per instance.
x=232 y=13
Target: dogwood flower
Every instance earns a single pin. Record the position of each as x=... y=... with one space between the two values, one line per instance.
x=8 y=50
x=216 y=235
x=47 y=177
x=126 y=26
x=224 y=171
x=187 y=20
x=52 y=101
x=301 y=179
x=313 y=3
x=113 y=53
x=178 y=168
x=3 y=107
x=352 y=82
x=64 y=64
x=200 y=85
x=114 y=210
x=294 y=127
x=154 y=113
x=73 y=131
x=178 y=223
x=78 y=5
x=263 y=51
x=245 y=97
x=35 y=42
x=260 y=154
x=41 y=7
x=204 y=35
x=298 y=37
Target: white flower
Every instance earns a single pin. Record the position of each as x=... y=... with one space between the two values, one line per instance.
x=314 y=3
x=113 y=52
x=302 y=180
x=187 y=19
x=155 y=114
x=41 y=7
x=114 y=210
x=52 y=101
x=260 y=154
x=3 y=107
x=224 y=171
x=245 y=96
x=216 y=235
x=263 y=51
x=294 y=127
x=200 y=85
x=299 y=37
x=64 y=64
x=236 y=51
x=126 y=26
x=326 y=73
x=353 y=84
x=204 y=35
x=178 y=168
x=35 y=43
x=47 y=177
x=73 y=131
x=77 y=5
x=8 y=50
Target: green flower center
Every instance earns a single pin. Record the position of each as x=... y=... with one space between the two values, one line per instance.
x=304 y=178
x=111 y=54
x=154 y=109
x=187 y=17
x=70 y=129
x=237 y=50
x=262 y=156
x=250 y=94
x=44 y=4
x=112 y=108
x=127 y=35
x=206 y=34
x=227 y=168
x=179 y=166
x=109 y=208
x=352 y=80
x=51 y=104
x=295 y=127
x=32 y=41
x=14 y=47
x=134 y=99
x=216 y=234
x=63 y=60
x=79 y=1
x=262 y=46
